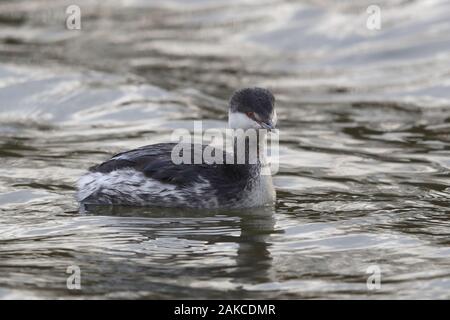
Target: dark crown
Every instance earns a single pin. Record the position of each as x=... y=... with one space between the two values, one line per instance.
x=258 y=100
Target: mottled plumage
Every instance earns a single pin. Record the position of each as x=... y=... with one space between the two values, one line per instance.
x=148 y=176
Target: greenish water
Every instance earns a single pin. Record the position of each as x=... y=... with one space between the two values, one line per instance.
x=364 y=119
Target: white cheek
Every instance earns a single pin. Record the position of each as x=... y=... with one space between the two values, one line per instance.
x=237 y=120
x=274 y=118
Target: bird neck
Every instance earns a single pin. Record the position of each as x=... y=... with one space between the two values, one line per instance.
x=250 y=146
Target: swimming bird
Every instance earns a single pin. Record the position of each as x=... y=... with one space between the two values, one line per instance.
x=148 y=176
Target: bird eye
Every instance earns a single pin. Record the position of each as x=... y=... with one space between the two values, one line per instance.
x=249 y=114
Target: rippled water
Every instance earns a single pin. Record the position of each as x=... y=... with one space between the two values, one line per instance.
x=364 y=118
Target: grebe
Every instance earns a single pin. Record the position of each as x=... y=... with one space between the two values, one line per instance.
x=147 y=176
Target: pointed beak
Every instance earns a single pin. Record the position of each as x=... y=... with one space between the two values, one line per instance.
x=268 y=125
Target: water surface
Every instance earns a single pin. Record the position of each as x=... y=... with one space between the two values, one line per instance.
x=364 y=120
